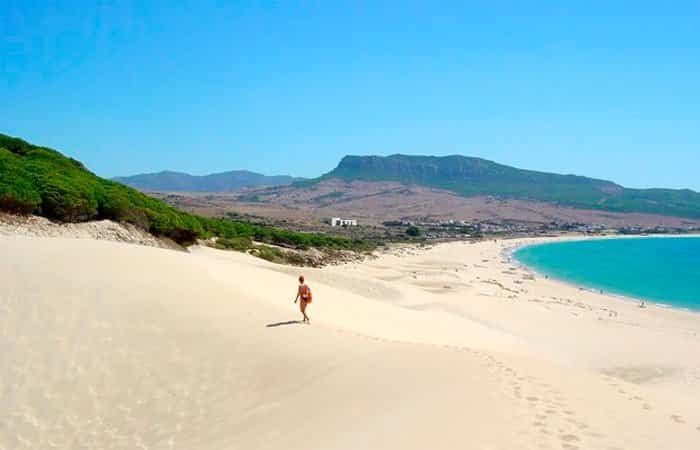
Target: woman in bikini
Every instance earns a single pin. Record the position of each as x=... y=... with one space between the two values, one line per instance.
x=303 y=294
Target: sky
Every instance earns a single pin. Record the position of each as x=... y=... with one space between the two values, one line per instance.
x=608 y=89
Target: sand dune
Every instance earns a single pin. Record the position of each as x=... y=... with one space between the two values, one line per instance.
x=110 y=345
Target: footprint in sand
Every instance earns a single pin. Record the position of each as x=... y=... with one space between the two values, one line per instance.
x=577 y=424
x=593 y=434
x=676 y=418
x=570 y=438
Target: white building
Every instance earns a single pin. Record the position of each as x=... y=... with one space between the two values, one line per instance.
x=338 y=222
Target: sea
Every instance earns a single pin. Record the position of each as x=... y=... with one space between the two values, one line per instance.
x=664 y=270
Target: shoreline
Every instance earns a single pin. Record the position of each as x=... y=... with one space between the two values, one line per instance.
x=510 y=254
x=493 y=275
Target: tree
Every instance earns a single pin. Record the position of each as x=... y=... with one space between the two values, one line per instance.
x=413 y=231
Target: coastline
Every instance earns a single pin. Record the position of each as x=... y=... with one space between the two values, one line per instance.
x=465 y=279
x=510 y=254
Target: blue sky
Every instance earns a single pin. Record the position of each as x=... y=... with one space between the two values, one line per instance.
x=600 y=88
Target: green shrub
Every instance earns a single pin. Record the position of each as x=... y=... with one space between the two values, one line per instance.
x=113 y=204
x=278 y=256
x=17 y=191
x=413 y=231
x=64 y=202
x=240 y=244
x=268 y=253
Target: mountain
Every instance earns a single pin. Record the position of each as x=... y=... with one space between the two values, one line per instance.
x=168 y=181
x=470 y=177
x=42 y=181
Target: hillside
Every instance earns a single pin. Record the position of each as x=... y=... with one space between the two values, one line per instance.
x=168 y=181
x=375 y=202
x=44 y=182
x=479 y=177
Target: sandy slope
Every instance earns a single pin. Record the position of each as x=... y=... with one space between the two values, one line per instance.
x=108 y=345
x=36 y=226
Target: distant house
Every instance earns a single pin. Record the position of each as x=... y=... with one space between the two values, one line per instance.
x=338 y=222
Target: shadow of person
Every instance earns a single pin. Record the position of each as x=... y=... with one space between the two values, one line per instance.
x=279 y=324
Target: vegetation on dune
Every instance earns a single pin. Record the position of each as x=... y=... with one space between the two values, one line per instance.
x=475 y=176
x=279 y=256
x=237 y=243
x=42 y=181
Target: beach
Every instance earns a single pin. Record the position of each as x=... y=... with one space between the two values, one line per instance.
x=113 y=345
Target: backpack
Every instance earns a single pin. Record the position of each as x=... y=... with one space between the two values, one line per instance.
x=306 y=294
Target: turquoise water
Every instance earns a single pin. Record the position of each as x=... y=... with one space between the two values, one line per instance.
x=662 y=270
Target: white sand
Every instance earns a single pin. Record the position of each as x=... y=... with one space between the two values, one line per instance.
x=109 y=345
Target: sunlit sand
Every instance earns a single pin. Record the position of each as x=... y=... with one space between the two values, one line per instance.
x=111 y=345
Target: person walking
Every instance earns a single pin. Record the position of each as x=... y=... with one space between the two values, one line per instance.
x=304 y=295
